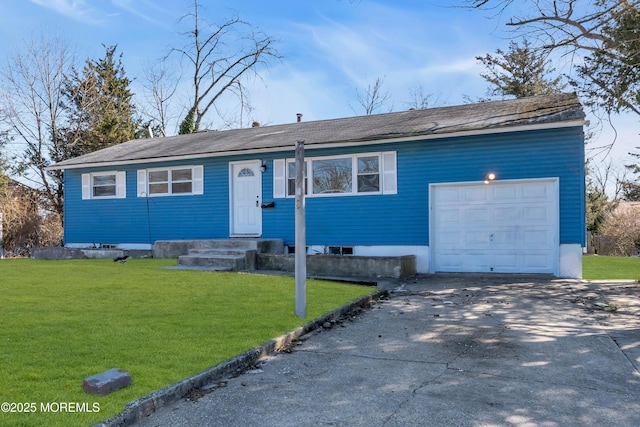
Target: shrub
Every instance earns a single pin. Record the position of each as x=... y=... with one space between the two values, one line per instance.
x=621 y=232
x=24 y=224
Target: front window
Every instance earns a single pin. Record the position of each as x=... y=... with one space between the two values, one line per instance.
x=159 y=182
x=368 y=174
x=104 y=185
x=353 y=174
x=181 y=181
x=171 y=181
x=332 y=176
x=291 y=178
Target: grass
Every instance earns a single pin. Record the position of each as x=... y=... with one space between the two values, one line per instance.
x=610 y=268
x=62 y=321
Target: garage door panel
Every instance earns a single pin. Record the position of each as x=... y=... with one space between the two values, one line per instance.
x=500 y=227
x=476 y=261
x=479 y=239
x=447 y=195
x=538 y=261
x=532 y=213
x=450 y=238
x=450 y=216
x=452 y=261
x=536 y=191
x=540 y=237
x=505 y=262
x=477 y=215
x=506 y=214
x=502 y=193
x=507 y=237
x=473 y=194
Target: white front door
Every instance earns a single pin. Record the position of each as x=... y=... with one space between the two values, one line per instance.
x=506 y=227
x=246 y=197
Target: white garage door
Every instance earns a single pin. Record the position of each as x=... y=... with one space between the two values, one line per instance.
x=502 y=227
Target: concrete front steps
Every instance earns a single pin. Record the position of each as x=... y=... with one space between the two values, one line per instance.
x=221 y=259
x=219 y=254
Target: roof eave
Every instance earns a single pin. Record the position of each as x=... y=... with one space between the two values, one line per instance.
x=418 y=137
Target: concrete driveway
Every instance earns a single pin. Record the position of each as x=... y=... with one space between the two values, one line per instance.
x=448 y=350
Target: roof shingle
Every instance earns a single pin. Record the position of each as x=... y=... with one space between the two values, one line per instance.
x=481 y=117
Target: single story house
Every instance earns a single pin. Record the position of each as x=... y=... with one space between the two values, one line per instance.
x=489 y=187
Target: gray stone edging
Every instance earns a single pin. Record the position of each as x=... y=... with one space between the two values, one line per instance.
x=141 y=408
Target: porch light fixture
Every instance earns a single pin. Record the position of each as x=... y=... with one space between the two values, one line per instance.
x=490 y=177
x=263 y=166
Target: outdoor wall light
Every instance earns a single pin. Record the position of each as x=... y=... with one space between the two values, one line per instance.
x=490 y=177
x=263 y=166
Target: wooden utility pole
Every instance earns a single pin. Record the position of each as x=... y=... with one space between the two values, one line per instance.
x=301 y=236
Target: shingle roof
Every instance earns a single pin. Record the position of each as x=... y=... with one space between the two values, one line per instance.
x=482 y=117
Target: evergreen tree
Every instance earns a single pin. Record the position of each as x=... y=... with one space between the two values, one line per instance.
x=188 y=124
x=520 y=72
x=631 y=187
x=612 y=73
x=102 y=110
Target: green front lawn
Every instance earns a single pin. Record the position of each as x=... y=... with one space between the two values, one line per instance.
x=62 y=321
x=610 y=268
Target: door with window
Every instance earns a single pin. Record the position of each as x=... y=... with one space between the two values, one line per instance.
x=246 y=197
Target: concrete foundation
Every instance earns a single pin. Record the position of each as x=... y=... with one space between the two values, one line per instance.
x=264 y=254
x=336 y=265
x=59 y=252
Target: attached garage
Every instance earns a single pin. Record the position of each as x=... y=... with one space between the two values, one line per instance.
x=500 y=226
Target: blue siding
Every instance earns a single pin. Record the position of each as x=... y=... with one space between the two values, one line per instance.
x=400 y=219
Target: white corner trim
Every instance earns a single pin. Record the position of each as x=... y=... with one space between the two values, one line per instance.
x=570 y=261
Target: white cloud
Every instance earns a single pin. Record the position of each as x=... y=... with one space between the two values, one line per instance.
x=142 y=11
x=74 y=9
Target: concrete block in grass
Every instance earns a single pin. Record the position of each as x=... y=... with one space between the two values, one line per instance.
x=106 y=382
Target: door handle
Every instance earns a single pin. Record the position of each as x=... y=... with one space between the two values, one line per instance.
x=257 y=201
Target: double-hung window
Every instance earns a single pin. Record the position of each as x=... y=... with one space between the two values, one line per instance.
x=183 y=180
x=354 y=174
x=291 y=178
x=104 y=185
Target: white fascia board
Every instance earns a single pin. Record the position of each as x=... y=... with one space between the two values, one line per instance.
x=540 y=126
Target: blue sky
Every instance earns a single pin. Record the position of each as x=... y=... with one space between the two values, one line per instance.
x=329 y=48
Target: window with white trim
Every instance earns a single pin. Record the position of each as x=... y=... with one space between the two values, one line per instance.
x=356 y=174
x=104 y=185
x=291 y=178
x=181 y=180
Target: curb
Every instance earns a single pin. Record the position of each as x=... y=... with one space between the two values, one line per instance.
x=141 y=408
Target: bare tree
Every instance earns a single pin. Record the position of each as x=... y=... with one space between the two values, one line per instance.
x=32 y=86
x=602 y=33
x=419 y=99
x=608 y=178
x=373 y=98
x=160 y=85
x=220 y=56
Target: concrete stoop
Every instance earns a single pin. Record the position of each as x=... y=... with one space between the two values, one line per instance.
x=222 y=254
x=222 y=259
